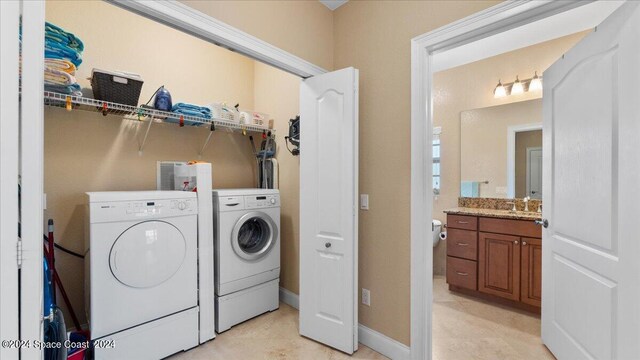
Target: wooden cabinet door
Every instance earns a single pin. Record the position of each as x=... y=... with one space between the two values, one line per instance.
x=531 y=271
x=499 y=265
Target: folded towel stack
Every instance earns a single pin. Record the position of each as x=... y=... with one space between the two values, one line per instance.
x=190 y=110
x=63 y=55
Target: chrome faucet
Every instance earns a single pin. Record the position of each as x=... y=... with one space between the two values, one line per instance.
x=526 y=203
x=514 y=209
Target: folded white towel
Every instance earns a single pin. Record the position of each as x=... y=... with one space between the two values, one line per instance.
x=57 y=77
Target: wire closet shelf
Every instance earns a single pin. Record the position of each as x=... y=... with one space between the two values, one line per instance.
x=71 y=102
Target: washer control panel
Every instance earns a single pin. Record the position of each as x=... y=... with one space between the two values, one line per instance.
x=261 y=201
x=113 y=211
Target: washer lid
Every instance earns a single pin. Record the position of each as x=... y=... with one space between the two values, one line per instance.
x=147 y=254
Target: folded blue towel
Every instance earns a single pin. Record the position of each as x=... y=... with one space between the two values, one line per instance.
x=55 y=50
x=73 y=89
x=190 y=110
x=57 y=34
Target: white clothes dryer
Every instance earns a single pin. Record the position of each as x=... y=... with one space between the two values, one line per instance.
x=247 y=248
x=141 y=273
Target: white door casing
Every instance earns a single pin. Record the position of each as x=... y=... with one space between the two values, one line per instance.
x=32 y=174
x=328 y=209
x=9 y=135
x=534 y=173
x=591 y=288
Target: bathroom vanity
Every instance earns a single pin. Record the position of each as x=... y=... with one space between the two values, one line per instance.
x=496 y=255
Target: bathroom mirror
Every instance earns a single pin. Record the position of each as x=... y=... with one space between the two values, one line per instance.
x=501 y=151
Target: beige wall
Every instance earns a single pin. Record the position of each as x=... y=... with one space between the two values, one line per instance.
x=302 y=27
x=524 y=140
x=276 y=93
x=88 y=152
x=483 y=143
x=471 y=87
x=374 y=36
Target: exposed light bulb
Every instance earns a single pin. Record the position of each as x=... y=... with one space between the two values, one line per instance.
x=517 y=87
x=536 y=83
x=499 y=91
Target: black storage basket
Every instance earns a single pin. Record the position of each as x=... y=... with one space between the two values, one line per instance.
x=116 y=89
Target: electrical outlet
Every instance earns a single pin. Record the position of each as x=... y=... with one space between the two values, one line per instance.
x=366 y=297
x=364 y=201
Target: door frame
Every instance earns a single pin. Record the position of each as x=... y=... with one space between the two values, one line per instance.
x=493 y=21
x=9 y=154
x=32 y=175
x=511 y=154
x=528 y=167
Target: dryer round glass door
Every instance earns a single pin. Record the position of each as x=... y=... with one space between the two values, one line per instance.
x=254 y=235
x=147 y=254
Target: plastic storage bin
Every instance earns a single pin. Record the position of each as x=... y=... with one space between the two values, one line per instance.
x=224 y=112
x=255 y=118
x=116 y=86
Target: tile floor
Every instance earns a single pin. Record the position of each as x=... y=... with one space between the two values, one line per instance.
x=472 y=329
x=464 y=328
x=270 y=336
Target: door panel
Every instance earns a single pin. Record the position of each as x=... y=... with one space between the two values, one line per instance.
x=590 y=180
x=531 y=271
x=328 y=203
x=499 y=265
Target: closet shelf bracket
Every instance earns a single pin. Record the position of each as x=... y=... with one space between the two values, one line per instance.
x=144 y=139
x=206 y=142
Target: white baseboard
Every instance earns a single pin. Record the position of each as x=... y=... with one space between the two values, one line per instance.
x=367 y=337
x=289 y=298
x=383 y=344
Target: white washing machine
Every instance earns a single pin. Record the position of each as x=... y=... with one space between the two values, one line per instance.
x=141 y=273
x=247 y=248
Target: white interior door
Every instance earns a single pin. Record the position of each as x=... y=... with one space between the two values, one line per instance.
x=328 y=209
x=9 y=20
x=591 y=270
x=534 y=173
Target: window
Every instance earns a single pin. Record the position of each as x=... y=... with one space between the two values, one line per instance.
x=436 y=160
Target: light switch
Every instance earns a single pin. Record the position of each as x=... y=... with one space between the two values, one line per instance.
x=364 y=201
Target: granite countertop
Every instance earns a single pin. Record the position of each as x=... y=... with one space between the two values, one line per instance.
x=494 y=213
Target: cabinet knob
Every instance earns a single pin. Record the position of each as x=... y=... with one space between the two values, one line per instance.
x=327 y=245
x=516 y=242
x=524 y=243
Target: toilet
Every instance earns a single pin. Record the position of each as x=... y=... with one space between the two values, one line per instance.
x=436 y=228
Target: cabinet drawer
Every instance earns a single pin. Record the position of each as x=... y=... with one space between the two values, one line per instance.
x=462 y=244
x=462 y=222
x=462 y=273
x=512 y=227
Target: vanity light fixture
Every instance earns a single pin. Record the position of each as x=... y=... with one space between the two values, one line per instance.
x=518 y=87
x=536 y=83
x=500 y=90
